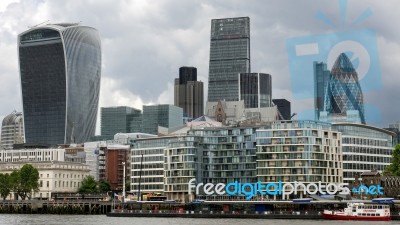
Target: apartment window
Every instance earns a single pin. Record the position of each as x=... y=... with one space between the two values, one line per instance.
x=55 y=184
x=41 y=184
x=48 y=183
x=47 y=175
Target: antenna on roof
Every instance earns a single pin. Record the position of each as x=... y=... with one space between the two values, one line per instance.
x=38 y=24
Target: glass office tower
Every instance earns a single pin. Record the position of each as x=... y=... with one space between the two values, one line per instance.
x=321 y=79
x=344 y=98
x=229 y=56
x=60 y=69
x=255 y=89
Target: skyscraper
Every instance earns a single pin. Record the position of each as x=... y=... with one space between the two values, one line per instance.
x=344 y=99
x=120 y=119
x=255 y=89
x=12 y=130
x=188 y=92
x=229 y=56
x=321 y=79
x=60 y=69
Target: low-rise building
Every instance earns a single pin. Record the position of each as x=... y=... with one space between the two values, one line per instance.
x=54 y=176
x=32 y=155
x=302 y=151
x=365 y=148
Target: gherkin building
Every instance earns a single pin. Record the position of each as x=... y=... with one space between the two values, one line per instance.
x=343 y=93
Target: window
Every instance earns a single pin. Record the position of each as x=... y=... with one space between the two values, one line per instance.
x=48 y=183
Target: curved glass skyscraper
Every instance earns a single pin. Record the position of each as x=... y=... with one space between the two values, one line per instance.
x=344 y=98
x=60 y=70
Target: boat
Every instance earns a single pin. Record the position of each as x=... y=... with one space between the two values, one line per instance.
x=360 y=211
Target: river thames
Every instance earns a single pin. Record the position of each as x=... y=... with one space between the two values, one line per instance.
x=34 y=219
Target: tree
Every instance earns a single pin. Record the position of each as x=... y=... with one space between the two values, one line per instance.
x=104 y=186
x=394 y=168
x=5 y=185
x=89 y=185
x=29 y=180
x=15 y=182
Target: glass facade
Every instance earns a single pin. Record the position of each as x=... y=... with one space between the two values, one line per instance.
x=121 y=119
x=303 y=151
x=229 y=56
x=321 y=79
x=60 y=69
x=229 y=154
x=343 y=95
x=365 y=148
x=161 y=115
x=255 y=89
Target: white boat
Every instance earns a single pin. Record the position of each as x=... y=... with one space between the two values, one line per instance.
x=360 y=211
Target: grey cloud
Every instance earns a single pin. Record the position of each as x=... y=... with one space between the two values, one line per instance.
x=145 y=42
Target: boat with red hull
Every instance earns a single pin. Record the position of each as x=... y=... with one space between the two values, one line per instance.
x=360 y=211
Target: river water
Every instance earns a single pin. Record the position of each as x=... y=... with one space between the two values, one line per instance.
x=20 y=219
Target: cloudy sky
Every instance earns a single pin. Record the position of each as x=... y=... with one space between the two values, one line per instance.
x=145 y=42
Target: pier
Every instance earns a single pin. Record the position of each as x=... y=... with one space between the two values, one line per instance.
x=56 y=207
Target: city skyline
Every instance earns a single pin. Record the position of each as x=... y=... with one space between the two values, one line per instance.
x=152 y=50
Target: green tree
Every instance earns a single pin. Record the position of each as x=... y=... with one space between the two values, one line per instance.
x=5 y=185
x=394 y=168
x=15 y=182
x=104 y=186
x=29 y=181
x=89 y=185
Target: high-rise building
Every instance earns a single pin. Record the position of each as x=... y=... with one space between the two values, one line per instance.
x=161 y=115
x=283 y=108
x=255 y=89
x=188 y=93
x=60 y=69
x=343 y=98
x=321 y=79
x=229 y=56
x=120 y=119
x=12 y=130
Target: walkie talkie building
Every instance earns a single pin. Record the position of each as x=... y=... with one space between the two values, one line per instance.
x=60 y=71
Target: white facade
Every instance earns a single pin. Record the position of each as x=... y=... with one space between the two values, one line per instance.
x=234 y=112
x=54 y=177
x=95 y=157
x=32 y=155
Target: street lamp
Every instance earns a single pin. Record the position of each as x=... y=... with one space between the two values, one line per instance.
x=123 y=183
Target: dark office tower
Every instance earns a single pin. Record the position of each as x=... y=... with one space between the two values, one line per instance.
x=344 y=98
x=321 y=80
x=187 y=74
x=60 y=69
x=120 y=119
x=255 y=89
x=188 y=93
x=283 y=108
x=229 y=56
